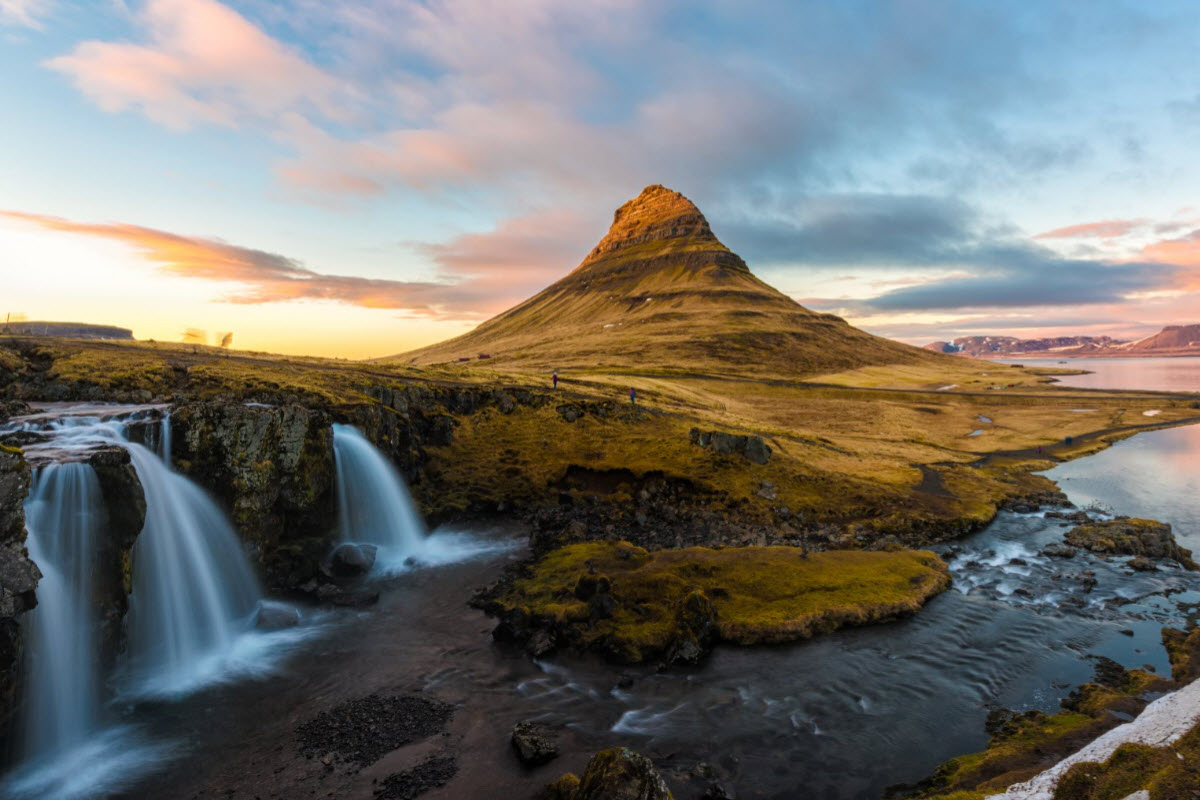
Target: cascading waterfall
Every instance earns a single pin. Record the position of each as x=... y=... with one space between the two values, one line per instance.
x=63 y=515
x=193 y=589
x=190 y=619
x=374 y=505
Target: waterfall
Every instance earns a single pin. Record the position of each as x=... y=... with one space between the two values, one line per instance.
x=63 y=515
x=193 y=589
x=164 y=435
x=374 y=506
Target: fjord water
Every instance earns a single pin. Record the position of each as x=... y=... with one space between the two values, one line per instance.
x=1180 y=374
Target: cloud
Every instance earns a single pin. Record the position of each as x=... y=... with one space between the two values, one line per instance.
x=1106 y=229
x=479 y=273
x=202 y=63
x=260 y=277
x=857 y=230
x=963 y=259
x=1184 y=250
x=497 y=269
x=25 y=13
x=1030 y=277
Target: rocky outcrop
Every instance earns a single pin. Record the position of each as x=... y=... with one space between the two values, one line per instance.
x=18 y=574
x=616 y=774
x=273 y=468
x=752 y=448
x=1143 y=538
x=654 y=511
x=125 y=514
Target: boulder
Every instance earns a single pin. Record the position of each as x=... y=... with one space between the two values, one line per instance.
x=696 y=629
x=350 y=560
x=621 y=774
x=534 y=743
x=562 y=789
x=276 y=616
x=570 y=412
x=1058 y=551
x=1131 y=537
x=752 y=448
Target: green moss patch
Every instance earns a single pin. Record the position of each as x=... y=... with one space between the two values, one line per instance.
x=636 y=605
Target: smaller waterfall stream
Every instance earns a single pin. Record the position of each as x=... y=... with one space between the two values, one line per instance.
x=374 y=507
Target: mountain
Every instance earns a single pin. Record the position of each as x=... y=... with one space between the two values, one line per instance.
x=1173 y=340
x=68 y=330
x=661 y=292
x=984 y=346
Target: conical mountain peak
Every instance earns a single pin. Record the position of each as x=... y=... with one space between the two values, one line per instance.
x=660 y=292
x=657 y=222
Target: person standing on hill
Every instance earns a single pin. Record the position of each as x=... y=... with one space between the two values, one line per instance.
x=633 y=395
x=554 y=379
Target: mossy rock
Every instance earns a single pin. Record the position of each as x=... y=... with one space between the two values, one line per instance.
x=678 y=603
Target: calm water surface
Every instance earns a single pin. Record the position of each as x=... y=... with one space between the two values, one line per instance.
x=1148 y=374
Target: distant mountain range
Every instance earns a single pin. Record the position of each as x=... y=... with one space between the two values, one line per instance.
x=68 y=330
x=1173 y=340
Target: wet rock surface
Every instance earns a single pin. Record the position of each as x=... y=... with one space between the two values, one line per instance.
x=18 y=574
x=125 y=513
x=534 y=743
x=360 y=731
x=350 y=560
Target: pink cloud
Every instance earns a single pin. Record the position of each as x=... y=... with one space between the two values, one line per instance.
x=494 y=270
x=1106 y=229
x=1183 y=251
x=479 y=273
x=263 y=277
x=203 y=63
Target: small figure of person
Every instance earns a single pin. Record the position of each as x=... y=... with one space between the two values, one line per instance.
x=1039 y=449
x=554 y=379
x=633 y=395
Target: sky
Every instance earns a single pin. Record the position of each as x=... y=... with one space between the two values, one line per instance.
x=359 y=179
